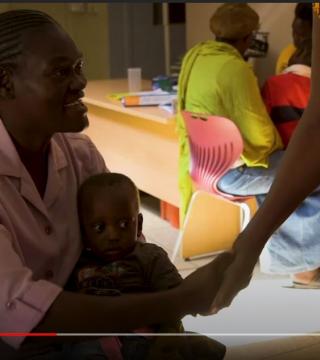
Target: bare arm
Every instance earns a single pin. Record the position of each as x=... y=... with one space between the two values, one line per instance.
x=89 y=314
x=73 y=312
x=80 y=313
x=298 y=176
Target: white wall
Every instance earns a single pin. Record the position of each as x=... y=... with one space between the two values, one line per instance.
x=275 y=18
x=87 y=28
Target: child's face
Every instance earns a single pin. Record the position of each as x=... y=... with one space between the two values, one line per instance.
x=111 y=222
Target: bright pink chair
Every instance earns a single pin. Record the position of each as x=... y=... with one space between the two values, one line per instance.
x=214 y=218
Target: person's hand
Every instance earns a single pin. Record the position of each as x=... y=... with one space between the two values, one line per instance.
x=200 y=287
x=238 y=275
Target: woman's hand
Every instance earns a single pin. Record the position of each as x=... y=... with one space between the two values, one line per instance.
x=200 y=288
x=238 y=274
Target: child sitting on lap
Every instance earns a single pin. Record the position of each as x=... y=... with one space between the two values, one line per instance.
x=114 y=262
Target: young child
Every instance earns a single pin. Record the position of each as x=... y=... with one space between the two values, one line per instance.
x=115 y=262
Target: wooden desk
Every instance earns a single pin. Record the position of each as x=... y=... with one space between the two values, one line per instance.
x=140 y=142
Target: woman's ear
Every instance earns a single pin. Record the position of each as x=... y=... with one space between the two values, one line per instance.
x=140 y=222
x=6 y=83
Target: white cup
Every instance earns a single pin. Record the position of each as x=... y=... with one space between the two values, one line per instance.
x=174 y=105
x=134 y=79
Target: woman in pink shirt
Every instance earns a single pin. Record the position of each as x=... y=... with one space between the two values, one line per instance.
x=43 y=161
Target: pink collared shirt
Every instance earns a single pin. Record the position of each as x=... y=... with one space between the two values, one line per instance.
x=39 y=238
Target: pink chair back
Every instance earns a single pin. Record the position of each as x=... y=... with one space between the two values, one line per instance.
x=215 y=145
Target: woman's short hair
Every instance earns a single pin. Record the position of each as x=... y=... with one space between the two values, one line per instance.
x=13 y=25
x=234 y=21
x=303 y=53
x=303 y=11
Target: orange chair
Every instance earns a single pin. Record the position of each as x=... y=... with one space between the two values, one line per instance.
x=214 y=219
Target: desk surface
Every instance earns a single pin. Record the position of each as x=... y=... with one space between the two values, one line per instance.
x=139 y=142
x=98 y=90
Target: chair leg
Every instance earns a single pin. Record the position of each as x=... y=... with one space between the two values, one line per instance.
x=246 y=215
x=177 y=247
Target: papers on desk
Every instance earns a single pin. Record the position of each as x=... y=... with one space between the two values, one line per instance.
x=149 y=98
x=169 y=108
x=120 y=96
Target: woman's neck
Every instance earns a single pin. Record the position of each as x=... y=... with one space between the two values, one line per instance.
x=36 y=163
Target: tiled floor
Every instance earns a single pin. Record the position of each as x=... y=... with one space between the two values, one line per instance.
x=265 y=310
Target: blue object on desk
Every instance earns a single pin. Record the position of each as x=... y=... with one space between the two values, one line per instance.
x=165 y=83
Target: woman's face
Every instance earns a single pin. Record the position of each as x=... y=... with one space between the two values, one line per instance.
x=49 y=81
x=301 y=30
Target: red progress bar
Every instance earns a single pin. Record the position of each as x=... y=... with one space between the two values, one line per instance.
x=26 y=334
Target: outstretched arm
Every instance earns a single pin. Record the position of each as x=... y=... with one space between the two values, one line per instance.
x=80 y=313
x=298 y=176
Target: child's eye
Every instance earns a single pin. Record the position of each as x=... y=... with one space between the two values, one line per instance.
x=123 y=224
x=99 y=227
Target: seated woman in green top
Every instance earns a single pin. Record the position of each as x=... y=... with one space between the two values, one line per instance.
x=215 y=79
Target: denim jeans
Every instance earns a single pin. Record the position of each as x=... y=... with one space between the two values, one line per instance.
x=295 y=246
